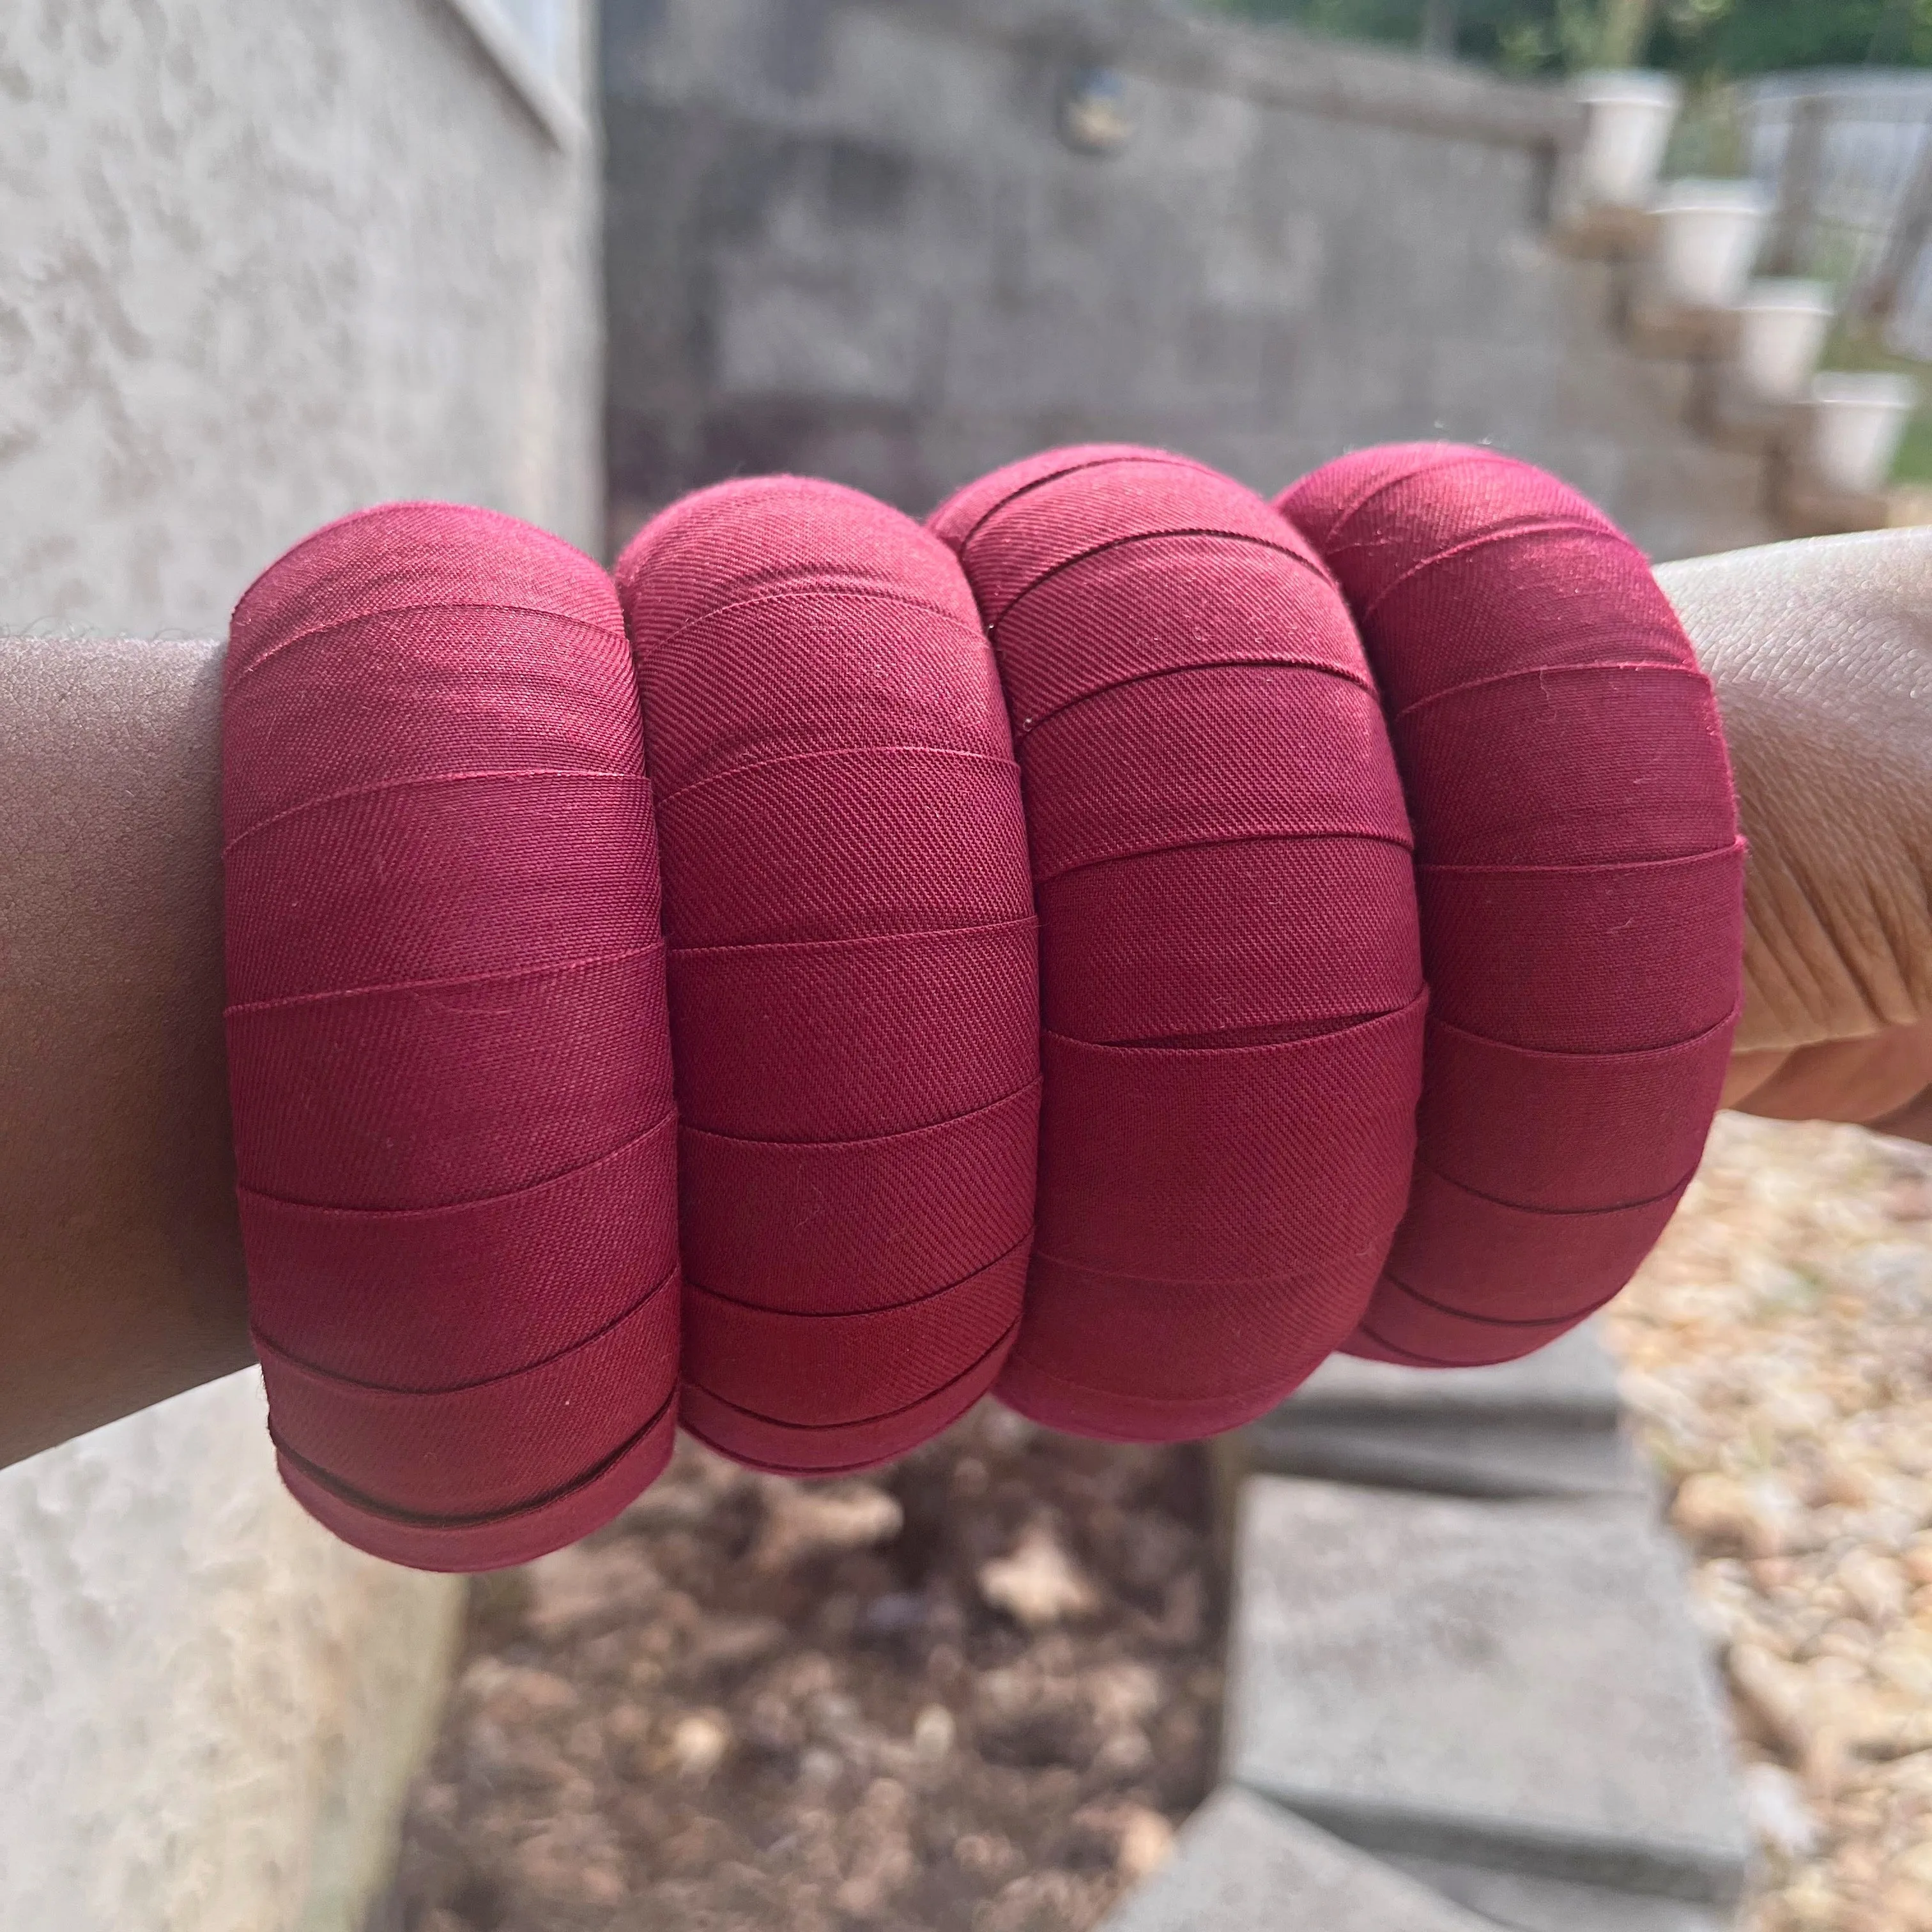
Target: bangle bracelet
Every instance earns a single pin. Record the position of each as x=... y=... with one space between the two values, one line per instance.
x=846 y=967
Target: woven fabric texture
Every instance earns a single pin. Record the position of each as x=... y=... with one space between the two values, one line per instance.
x=449 y=1052
x=1581 y=881
x=853 y=985
x=1112 y=947
x=1231 y=1090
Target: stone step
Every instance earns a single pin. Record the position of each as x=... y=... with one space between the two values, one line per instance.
x=1512 y=1686
x=1546 y=1426
x=1571 y=1383
x=1526 y=1904
x=1450 y=1459
x=1243 y=1865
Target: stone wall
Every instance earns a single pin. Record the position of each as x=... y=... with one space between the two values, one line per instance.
x=212 y=1707
x=846 y=236
x=259 y=265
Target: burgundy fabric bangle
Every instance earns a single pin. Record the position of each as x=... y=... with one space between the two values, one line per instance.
x=1580 y=878
x=853 y=987
x=1231 y=985
x=1036 y=997
x=448 y=1055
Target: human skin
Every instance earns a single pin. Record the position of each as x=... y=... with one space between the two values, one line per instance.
x=1821 y=652
x=121 y=1276
x=121 y=1272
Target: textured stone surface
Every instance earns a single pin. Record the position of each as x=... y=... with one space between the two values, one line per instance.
x=260 y=265
x=1527 y=1904
x=845 y=238
x=212 y=1705
x=1547 y=1426
x=1451 y=1458
x=1510 y=1685
x=1572 y=1383
x=1244 y=1865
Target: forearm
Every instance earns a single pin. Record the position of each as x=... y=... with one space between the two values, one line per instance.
x=121 y=1277
x=1821 y=652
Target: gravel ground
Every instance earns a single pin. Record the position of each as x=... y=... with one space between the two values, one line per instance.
x=976 y=1691
x=1778 y=1353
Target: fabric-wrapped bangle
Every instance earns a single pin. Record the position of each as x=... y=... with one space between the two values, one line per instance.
x=1034 y=997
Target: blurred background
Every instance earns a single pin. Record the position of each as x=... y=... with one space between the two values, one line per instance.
x=899 y=246
x=262 y=262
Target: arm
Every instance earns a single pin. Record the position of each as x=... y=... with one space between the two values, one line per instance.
x=121 y=1277
x=1822 y=654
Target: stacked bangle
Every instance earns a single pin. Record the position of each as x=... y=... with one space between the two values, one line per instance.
x=846 y=968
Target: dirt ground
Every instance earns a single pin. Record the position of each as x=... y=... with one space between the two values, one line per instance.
x=1778 y=1348
x=977 y=1691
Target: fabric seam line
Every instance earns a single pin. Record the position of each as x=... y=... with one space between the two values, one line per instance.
x=1245 y=1281
x=1316 y=569
x=811 y=1472
x=1146 y=1401
x=428 y=782
x=588 y=963
x=859 y=1422
x=615 y=635
x=601 y=1333
x=818 y=586
x=1496 y=1321
x=1736 y=848
x=1542 y=526
x=1345 y=835
x=1444 y=456
x=862 y=939
x=392 y=1214
x=360 y=1499
x=870 y=1140
x=1542 y=1213
x=1033 y=1086
x=1171 y=458
x=849 y=752
x=1563 y=1055
x=1265 y=1046
x=853 y=1314
x=1021 y=734
x=1543 y=673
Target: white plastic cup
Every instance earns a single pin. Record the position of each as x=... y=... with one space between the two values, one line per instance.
x=1857 y=421
x=1707 y=233
x=1629 y=114
x=1781 y=330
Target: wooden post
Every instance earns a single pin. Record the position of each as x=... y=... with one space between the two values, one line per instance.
x=1797 y=181
x=1438 y=28
x=1875 y=300
x=1626 y=28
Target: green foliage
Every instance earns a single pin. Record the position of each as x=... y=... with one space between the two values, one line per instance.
x=1738 y=37
x=1395 y=20
x=1703 y=39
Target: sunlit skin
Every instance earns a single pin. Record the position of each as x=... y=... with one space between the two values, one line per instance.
x=1822 y=654
x=121 y=1271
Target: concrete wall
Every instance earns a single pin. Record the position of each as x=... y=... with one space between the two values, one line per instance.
x=259 y=264
x=212 y=1707
x=844 y=236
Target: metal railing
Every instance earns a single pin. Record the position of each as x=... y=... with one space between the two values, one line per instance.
x=1849 y=159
